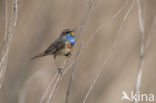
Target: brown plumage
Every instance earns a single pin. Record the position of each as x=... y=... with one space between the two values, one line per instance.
x=39 y=55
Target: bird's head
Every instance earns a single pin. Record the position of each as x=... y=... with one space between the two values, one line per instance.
x=68 y=31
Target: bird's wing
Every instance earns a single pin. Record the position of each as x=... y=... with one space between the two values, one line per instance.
x=57 y=45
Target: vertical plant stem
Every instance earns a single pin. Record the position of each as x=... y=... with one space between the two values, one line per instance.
x=150 y=35
x=109 y=53
x=140 y=67
x=8 y=38
x=72 y=75
x=52 y=95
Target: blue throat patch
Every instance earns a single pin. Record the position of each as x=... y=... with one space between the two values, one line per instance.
x=70 y=39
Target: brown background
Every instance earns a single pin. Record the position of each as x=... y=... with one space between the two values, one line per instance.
x=40 y=23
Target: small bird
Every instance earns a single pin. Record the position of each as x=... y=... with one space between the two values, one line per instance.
x=61 y=46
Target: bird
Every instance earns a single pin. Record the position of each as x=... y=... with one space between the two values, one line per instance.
x=61 y=46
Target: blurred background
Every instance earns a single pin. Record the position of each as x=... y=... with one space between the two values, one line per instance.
x=40 y=22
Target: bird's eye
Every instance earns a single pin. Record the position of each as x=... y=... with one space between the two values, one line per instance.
x=68 y=32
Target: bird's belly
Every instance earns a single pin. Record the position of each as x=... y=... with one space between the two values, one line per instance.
x=63 y=51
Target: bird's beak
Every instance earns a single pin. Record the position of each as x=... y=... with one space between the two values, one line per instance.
x=72 y=32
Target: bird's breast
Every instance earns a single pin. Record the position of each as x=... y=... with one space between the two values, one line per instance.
x=65 y=50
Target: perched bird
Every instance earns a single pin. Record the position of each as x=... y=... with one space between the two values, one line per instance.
x=61 y=46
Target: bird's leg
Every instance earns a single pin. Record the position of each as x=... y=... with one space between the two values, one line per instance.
x=59 y=68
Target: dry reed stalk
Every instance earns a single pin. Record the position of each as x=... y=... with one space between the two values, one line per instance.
x=140 y=67
x=72 y=74
x=8 y=38
x=109 y=53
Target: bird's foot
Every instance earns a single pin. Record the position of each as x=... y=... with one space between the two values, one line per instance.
x=60 y=70
x=68 y=54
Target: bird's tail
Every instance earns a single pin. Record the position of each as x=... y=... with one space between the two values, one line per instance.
x=39 y=55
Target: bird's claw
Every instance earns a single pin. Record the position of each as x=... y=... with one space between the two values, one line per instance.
x=60 y=70
x=68 y=54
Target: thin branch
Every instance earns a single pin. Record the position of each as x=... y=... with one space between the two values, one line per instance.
x=8 y=38
x=47 y=89
x=100 y=27
x=57 y=76
x=150 y=34
x=3 y=45
x=110 y=52
x=140 y=68
x=91 y=4
x=72 y=74
x=53 y=93
x=51 y=97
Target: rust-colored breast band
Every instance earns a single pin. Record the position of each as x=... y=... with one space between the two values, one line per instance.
x=68 y=45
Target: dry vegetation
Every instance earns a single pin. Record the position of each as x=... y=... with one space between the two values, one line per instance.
x=115 y=50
